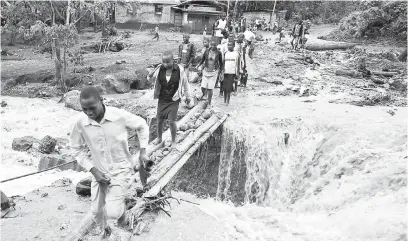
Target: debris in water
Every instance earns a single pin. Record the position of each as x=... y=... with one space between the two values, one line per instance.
x=391 y=112
x=286 y=138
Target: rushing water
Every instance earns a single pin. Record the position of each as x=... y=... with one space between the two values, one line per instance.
x=321 y=172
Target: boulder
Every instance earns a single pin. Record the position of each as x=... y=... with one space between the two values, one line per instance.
x=71 y=100
x=304 y=92
x=3 y=103
x=5 y=202
x=52 y=160
x=120 y=86
x=47 y=144
x=398 y=84
x=141 y=82
x=83 y=187
x=23 y=143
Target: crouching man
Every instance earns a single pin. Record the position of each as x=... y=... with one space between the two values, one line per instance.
x=170 y=85
x=103 y=130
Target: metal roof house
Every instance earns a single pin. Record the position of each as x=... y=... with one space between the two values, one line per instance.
x=192 y=15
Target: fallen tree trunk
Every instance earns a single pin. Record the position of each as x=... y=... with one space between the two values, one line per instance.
x=348 y=73
x=387 y=74
x=162 y=182
x=329 y=46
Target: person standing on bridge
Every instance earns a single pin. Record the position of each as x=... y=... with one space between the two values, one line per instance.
x=170 y=86
x=103 y=129
x=211 y=68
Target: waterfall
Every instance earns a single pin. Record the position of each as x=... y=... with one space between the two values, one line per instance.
x=273 y=160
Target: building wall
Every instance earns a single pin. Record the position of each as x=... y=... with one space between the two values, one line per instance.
x=146 y=14
x=257 y=15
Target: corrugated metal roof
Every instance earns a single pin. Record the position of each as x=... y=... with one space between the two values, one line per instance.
x=207 y=1
x=166 y=2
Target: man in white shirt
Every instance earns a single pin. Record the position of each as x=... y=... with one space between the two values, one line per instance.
x=231 y=71
x=103 y=130
x=220 y=25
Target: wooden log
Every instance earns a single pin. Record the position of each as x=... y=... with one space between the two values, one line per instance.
x=383 y=73
x=165 y=179
x=348 y=73
x=329 y=46
x=168 y=161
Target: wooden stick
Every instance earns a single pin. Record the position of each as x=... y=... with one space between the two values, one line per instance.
x=383 y=73
x=29 y=174
x=162 y=182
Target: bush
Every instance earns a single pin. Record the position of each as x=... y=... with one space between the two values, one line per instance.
x=379 y=19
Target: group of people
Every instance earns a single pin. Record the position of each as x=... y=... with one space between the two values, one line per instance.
x=298 y=33
x=103 y=129
x=222 y=62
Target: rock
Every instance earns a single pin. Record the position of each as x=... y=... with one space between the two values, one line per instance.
x=398 y=84
x=83 y=187
x=5 y=202
x=84 y=69
x=61 y=207
x=10 y=83
x=198 y=123
x=120 y=86
x=207 y=114
x=183 y=127
x=377 y=81
x=141 y=82
x=304 y=92
x=71 y=100
x=3 y=103
x=190 y=125
x=23 y=143
x=276 y=82
x=52 y=160
x=391 y=112
x=44 y=195
x=47 y=144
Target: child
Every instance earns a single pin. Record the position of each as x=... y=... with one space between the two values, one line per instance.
x=206 y=45
x=240 y=48
x=156 y=33
x=231 y=71
x=223 y=48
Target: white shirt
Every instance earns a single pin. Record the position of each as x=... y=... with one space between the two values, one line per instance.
x=221 y=25
x=249 y=36
x=107 y=141
x=231 y=62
